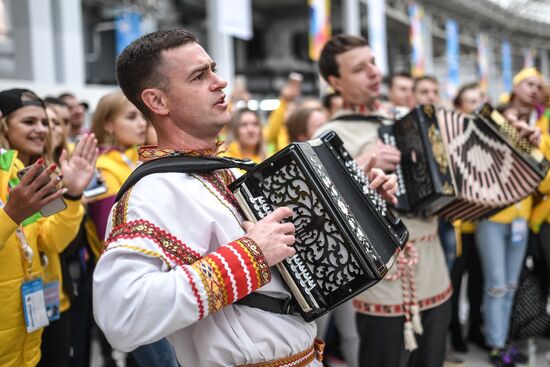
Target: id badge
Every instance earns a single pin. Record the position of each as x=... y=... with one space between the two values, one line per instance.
x=519 y=232
x=34 y=307
x=51 y=297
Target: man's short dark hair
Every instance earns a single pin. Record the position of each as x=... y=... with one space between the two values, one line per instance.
x=422 y=78
x=335 y=46
x=138 y=66
x=401 y=74
x=457 y=102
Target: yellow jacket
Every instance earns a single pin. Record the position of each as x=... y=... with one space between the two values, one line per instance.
x=275 y=131
x=234 y=150
x=115 y=167
x=541 y=212
x=52 y=234
x=518 y=210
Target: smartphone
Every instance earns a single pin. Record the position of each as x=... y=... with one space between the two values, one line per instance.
x=95 y=187
x=52 y=207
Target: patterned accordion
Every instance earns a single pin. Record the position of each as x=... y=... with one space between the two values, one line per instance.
x=346 y=238
x=459 y=166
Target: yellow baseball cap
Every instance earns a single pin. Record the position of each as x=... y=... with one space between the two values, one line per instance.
x=526 y=73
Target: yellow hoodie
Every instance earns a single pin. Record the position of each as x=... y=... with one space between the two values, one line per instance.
x=52 y=234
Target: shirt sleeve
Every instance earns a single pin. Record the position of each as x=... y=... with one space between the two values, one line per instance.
x=139 y=298
x=151 y=282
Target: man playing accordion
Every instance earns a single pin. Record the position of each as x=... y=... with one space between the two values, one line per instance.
x=178 y=254
x=402 y=321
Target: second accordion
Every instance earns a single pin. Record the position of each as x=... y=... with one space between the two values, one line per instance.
x=346 y=238
x=458 y=166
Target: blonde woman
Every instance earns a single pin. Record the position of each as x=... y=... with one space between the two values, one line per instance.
x=246 y=131
x=119 y=128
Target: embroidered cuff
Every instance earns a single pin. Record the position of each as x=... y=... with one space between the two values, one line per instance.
x=232 y=272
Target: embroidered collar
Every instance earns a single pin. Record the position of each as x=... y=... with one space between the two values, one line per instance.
x=151 y=152
x=363 y=109
x=378 y=109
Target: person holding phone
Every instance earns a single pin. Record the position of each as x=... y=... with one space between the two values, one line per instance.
x=25 y=230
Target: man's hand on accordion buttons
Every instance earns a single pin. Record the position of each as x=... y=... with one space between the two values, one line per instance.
x=273 y=237
x=385 y=184
x=387 y=157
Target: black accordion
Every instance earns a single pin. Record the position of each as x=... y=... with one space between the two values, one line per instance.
x=346 y=237
x=460 y=166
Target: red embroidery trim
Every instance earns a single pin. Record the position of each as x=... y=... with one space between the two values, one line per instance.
x=398 y=310
x=195 y=291
x=222 y=189
x=172 y=246
x=121 y=208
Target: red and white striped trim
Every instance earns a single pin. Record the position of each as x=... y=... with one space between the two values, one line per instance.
x=230 y=273
x=398 y=309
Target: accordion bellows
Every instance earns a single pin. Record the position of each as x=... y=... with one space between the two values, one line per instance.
x=462 y=167
x=346 y=238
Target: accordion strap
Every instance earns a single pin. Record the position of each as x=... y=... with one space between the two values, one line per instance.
x=283 y=306
x=182 y=164
x=357 y=117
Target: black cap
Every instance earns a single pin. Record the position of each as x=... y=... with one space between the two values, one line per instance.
x=13 y=99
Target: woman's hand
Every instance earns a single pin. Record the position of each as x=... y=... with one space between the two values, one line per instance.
x=78 y=170
x=35 y=190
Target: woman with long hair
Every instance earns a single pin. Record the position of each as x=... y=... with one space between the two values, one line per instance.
x=120 y=128
x=246 y=134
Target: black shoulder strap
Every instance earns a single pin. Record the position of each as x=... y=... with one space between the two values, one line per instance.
x=182 y=164
x=357 y=117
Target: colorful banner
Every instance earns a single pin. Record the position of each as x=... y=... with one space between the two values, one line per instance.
x=377 y=33
x=453 y=58
x=528 y=57
x=482 y=42
x=319 y=26
x=418 y=62
x=507 y=66
x=127 y=29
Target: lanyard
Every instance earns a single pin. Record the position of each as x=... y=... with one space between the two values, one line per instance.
x=127 y=160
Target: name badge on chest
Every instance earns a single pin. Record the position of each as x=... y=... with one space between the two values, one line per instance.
x=34 y=306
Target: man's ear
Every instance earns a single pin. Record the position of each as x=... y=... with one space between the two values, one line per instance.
x=155 y=101
x=334 y=83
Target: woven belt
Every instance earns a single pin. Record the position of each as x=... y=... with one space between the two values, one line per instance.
x=301 y=359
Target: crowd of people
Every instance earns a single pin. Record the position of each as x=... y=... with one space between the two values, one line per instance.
x=154 y=274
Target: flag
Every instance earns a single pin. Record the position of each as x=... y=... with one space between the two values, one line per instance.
x=418 y=62
x=319 y=26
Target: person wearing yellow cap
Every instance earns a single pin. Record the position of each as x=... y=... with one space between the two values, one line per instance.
x=502 y=239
